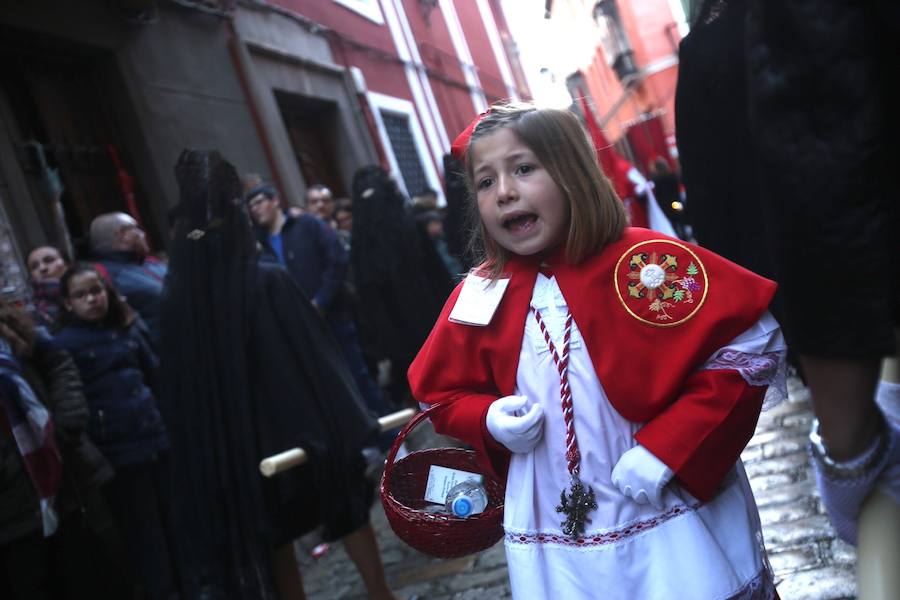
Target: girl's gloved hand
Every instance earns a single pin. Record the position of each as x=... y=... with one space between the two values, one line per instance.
x=641 y=476
x=518 y=430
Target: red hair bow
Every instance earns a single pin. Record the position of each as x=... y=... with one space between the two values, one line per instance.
x=458 y=148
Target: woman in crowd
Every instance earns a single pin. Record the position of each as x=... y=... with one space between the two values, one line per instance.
x=46 y=265
x=57 y=537
x=401 y=280
x=249 y=370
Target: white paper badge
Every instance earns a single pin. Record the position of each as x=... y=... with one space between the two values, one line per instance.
x=441 y=479
x=478 y=300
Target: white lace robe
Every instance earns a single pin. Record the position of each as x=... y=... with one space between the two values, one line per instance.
x=630 y=551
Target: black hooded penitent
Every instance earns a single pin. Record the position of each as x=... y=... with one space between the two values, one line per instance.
x=400 y=279
x=249 y=369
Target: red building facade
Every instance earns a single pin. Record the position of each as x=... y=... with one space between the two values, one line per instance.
x=296 y=92
x=422 y=69
x=628 y=72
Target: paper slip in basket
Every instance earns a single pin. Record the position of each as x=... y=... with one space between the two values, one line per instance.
x=441 y=479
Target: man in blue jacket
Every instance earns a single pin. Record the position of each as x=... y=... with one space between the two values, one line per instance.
x=120 y=246
x=307 y=248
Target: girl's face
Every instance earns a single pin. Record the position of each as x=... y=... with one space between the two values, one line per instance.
x=46 y=263
x=521 y=206
x=87 y=297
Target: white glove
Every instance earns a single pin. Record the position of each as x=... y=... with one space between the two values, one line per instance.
x=517 y=430
x=641 y=476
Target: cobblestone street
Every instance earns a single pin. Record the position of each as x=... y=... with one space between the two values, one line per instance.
x=810 y=563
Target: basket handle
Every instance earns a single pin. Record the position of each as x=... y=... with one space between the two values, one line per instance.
x=395 y=447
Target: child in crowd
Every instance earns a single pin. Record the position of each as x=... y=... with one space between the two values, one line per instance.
x=109 y=345
x=46 y=265
x=610 y=375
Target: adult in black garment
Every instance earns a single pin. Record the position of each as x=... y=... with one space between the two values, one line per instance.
x=249 y=370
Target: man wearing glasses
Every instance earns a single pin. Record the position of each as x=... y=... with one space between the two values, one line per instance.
x=119 y=246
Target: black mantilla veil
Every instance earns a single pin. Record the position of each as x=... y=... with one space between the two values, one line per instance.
x=462 y=216
x=249 y=369
x=400 y=279
x=204 y=322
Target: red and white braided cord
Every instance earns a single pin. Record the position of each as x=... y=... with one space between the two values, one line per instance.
x=573 y=456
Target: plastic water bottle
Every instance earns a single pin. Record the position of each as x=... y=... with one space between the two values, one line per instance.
x=466 y=499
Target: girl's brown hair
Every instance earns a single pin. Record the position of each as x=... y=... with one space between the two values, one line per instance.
x=563 y=148
x=118 y=314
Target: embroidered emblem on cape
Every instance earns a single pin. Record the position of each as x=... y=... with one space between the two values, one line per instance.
x=661 y=282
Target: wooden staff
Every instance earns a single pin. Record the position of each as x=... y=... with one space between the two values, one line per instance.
x=295 y=457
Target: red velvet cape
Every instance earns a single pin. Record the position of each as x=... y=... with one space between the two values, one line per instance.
x=697 y=422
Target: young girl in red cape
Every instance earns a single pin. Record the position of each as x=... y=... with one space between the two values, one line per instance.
x=610 y=375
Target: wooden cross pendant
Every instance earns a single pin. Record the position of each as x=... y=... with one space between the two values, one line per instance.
x=576 y=507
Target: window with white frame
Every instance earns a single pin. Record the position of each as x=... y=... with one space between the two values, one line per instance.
x=404 y=144
x=367 y=8
x=614 y=39
x=407 y=155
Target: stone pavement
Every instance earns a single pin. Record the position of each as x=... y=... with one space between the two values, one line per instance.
x=810 y=563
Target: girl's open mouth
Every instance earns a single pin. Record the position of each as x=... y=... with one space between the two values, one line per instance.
x=519 y=223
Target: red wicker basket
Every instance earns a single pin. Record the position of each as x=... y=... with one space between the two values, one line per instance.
x=438 y=535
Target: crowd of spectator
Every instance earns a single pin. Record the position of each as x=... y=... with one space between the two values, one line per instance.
x=109 y=439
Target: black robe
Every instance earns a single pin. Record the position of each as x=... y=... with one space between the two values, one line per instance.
x=823 y=98
x=719 y=165
x=251 y=370
x=304 y=396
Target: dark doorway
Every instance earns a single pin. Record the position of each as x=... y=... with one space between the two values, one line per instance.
x=58 y=100
x=313 y=126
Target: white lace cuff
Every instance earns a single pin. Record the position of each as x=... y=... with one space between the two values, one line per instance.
x=759 y=355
